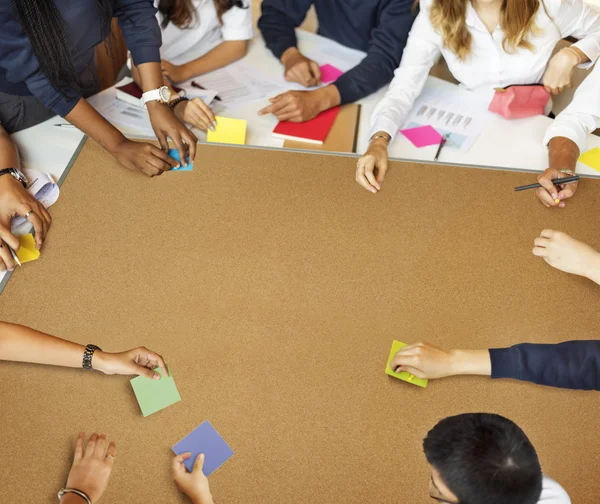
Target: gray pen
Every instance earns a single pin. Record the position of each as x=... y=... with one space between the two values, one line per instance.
x=14 y=254
x=65 y=125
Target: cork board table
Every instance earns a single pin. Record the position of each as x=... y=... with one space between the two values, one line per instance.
x=274 y=285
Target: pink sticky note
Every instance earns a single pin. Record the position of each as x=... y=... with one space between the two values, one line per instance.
x=329 y=73
x=422 y=136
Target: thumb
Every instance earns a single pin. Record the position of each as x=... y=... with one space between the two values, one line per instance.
x=199 y=464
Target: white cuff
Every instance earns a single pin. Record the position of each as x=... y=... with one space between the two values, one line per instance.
x=589 y=47
x=384 y=124
x=568 y=127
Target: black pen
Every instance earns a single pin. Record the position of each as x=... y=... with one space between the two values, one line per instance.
x=196 y=85
x=558 y=181
x=442 y=143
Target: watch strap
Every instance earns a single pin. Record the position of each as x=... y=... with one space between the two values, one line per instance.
x=16 y=174
x=75 y=491
x=87 y=356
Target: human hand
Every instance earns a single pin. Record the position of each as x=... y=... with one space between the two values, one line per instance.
x=549 y=193
x=295 y=106
x=372 y=166
x=166 y=125
x=15 y=200
x=559 y=72
x=138 y=361
x=91 y=470
x=567 y=254
x=175 y=73
x=194 y=484
x=143 y=157
x=300 y=69
x=197 y=113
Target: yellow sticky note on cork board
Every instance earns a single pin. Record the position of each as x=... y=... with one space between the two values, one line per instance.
x=228 y=131
x=27 y=252
x=591 y=158
x=404 y=376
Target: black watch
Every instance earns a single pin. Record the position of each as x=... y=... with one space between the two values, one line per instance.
x=18 y=174
x=88 y=354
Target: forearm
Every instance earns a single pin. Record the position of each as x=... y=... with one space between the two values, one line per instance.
x=9 y=156
x=224 y=54
x=138 y=79
x=563 y=154
x=22 y=344
x=594 y=270
x=471 y=362
x=95 y=126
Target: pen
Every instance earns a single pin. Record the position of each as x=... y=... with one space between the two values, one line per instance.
x=14 y=255
x=442 y=143
x=196 y=85
x=65 y=125
x=558 y=181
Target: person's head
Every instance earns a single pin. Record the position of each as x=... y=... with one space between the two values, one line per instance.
x=182 y=13
x=516 y=18
x=482 y=458
x=42 y=23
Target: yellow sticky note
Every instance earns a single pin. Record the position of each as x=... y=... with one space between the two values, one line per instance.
x=591 y=158
x=229 y=131
x=404 y=376
x=27 y=252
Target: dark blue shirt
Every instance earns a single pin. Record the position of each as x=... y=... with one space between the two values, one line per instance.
x=20 y=72
x=378 y=27
x=571 y=365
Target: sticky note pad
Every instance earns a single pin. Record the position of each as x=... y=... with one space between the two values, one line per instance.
x=422 y=136
x=229 y=131
x=27 y=252
x=329 y=73
x=174 y=153
x=204 y=439
x=154 y=395
x=407 y=377
x=591 y=158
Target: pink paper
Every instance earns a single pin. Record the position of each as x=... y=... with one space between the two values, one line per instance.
x=329 y=73
x=422 y=136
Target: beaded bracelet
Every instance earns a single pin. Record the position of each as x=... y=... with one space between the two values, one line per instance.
x=568 y=172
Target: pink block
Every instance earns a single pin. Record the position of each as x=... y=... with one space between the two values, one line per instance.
x=422 y=136
x=329 y=73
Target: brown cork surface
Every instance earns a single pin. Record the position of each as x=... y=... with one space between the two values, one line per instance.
x=274 y=286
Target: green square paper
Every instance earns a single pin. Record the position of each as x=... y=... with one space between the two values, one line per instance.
x=154 y=395
x=404 y=376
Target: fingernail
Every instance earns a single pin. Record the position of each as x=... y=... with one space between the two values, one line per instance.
x=215 y=122
x=156 y=376
x=554 y=195
x=212 y=128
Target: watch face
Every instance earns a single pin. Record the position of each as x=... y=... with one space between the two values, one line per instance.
x=165 y=94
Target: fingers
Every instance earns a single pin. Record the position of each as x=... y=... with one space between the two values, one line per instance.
x=540 y=251
x=157 y=360
x=79 y=447
x=91 y=445
x=6 y=259
x=277 y=105
x=316 y=71
x=411 y=370
x=545 y=181
x=100 y=448
x=162 y=140
x=191 y=142
x=162 y=155
x=568 y=191
x=177 y=463
x=364 y=165
x=382 y=167
x=10 y=239
x=205 y=109
x=545 y=197
x=541 y=242
x=199 y=463
x=39 y=226
x=111 y=453
x=372 y=180
x=146 y=372
x=548 y=233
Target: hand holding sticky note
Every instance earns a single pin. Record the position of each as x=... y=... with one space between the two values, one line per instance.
x=174 y=153
x=204 y=439
x=228 y=131
x=154 y=395
x=407 y=377
x=27 y=252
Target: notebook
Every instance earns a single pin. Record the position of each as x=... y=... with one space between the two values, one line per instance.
x=314 y=131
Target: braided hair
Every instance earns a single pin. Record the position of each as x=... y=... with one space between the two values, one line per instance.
x=42 y=23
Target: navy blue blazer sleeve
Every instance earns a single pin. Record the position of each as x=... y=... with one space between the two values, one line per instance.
x=137 y=20
x=571 y=365
x=278 y=20
x=387 y=43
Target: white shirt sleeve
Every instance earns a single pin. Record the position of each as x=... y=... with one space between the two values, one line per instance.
x=576 y=19
x=553 y=493
x=582 y=116
x=594 y=4
x=237 y=23
x=420 y=54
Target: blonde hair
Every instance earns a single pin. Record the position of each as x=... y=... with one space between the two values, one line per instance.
x=516 y=19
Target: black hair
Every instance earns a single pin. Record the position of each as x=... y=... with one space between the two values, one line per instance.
x=485 y=459
x=42 y=23
x=182 y=12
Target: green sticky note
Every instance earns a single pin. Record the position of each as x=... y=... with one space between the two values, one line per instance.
x=404 y=376
x=154 y=395
x=591 y=158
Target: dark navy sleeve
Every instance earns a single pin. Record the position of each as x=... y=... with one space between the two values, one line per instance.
x=137 y=20
x=278 y=20
x=571 y=365
x=21 y=64
x=387 y=43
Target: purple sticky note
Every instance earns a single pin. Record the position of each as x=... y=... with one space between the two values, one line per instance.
x=422 y=136
x=329 y=73
x=204 y=439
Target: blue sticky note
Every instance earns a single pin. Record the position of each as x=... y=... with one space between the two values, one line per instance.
x=204 y=439
x=174 y=153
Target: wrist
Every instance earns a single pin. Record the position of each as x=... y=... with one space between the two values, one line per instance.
x=329 y=97
x=593 y=270
x=99 y=361
x=471 y=362
x=203 y=498
x=290 y=52
x=72 y=498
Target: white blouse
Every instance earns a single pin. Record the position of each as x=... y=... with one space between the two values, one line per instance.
x=206 y=32
x=489 y=65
